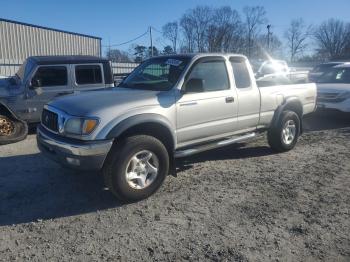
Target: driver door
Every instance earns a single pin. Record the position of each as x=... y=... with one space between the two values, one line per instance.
x=47 y=83
x=209 y=112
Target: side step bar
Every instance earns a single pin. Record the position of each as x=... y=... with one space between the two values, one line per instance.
x=202 y=148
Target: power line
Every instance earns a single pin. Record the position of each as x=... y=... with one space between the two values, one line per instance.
x=130 y=41
x=155 y=29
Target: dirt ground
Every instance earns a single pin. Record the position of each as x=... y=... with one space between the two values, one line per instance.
x=240 y=203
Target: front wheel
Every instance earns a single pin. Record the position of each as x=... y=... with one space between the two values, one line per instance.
x=11 y=130
x=284 y=136
x=136 y=167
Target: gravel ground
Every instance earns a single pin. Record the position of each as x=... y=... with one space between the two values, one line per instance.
x=240 y=203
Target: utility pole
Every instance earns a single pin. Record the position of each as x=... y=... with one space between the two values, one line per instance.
x=268 y=36
x=150 y=35
x=109 y=48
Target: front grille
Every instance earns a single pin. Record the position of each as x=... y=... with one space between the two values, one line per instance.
x=50 y=120
x=329 y=97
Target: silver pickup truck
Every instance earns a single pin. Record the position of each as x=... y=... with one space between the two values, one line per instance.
x=169 y=107
x=39 y=80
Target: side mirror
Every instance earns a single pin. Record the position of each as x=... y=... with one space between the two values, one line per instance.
x=258 y=74
x=194 y=85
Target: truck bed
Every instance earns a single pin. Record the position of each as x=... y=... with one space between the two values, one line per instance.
x=273 y=96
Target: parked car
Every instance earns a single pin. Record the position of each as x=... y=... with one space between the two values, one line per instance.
x=320 y=69
x=274 y=67
x=282 y=79
x=169 y=107
x=277 y=72
x=333 y=89
x=40 y=79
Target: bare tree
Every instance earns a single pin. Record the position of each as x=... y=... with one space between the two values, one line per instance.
x=171 y=32
x=187 y=26
x=201 y=15
x=333 y=37
x=225 y=26
x=296 y=36
x=268 y=48
x=116 y=55
x=195 y=23
x=254 y=17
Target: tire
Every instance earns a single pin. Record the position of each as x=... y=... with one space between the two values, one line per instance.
x=18 y=133
x=276 y=138
x=121 y=161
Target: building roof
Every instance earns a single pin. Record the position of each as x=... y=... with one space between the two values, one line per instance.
x=74 y=59
x=47 y=28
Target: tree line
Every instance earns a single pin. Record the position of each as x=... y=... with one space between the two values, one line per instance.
x=224 y=29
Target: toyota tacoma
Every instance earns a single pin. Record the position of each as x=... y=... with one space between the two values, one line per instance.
x=169 y=107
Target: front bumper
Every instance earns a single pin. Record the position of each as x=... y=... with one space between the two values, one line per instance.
x=343 y=106
x=83 y=155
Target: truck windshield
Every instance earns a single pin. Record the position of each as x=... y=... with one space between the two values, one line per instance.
x=159 y=74
x=21 y=70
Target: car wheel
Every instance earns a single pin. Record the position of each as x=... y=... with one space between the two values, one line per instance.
x=11 y=130
x=136 y=167
x=285 y=135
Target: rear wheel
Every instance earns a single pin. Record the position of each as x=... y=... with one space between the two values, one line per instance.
x=136 y=167
x=284 y=136
x=11 y=130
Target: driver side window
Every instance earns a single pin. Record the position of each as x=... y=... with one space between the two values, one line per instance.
x=213 y=73
x=47 y=76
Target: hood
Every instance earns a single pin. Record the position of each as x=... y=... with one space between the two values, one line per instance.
x=4 y=81
x=97 y=103
x=332 y=88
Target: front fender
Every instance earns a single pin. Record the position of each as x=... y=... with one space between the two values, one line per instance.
x=6 y=108
x=147 y=118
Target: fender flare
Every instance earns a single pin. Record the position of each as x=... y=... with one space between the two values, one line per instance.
x=24 y=130
x=290 y=102
x=148 y=118
x=2 y=104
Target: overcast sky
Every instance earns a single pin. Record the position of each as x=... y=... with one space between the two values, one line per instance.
x=120 y=21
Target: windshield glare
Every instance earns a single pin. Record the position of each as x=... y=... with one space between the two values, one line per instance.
x=158 y=74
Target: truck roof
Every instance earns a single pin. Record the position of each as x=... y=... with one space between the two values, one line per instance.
x=344 y=65
x=199 y=55
x=74 y=59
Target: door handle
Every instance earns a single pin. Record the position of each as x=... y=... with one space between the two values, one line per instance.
x=188 y=104
x=229 y=99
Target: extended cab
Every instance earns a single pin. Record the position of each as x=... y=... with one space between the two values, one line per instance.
x=169 y=107
x=39 y=80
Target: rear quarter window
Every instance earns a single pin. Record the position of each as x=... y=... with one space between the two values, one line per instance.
x=240 y=72
x=88 y=74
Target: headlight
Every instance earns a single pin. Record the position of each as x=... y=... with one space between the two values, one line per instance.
x=80 y=126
